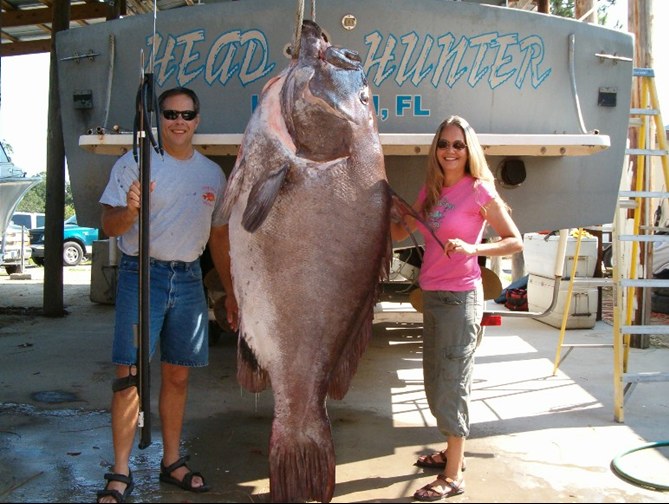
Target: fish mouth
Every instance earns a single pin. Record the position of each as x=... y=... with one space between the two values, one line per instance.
x=313 y=42
x=345 y=59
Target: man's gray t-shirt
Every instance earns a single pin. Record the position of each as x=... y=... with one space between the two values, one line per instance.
x=186 y=202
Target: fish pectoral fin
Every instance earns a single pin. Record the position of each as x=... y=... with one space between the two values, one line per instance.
x=261 y=198
x=233 y=188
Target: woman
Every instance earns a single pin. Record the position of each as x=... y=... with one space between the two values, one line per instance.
x=457 y=201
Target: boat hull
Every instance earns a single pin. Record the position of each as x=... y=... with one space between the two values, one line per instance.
x=522 y=75
x=12 y=189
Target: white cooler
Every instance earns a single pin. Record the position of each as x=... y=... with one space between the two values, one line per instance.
x=540 y=254
x=582 y=309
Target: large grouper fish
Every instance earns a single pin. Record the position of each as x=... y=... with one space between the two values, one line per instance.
x=308 y=207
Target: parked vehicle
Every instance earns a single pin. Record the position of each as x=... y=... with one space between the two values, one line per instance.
x=77 y=242
x=10 y=248
x=29 y=220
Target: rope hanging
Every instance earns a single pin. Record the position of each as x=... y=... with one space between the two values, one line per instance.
x=299 y=17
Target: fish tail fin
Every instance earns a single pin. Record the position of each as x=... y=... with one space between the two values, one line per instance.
x=301 y=466
x=250 y=374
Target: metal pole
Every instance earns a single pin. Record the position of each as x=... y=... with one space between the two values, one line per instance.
x=23 y=245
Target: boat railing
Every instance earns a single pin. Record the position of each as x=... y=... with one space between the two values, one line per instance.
x=394 y=144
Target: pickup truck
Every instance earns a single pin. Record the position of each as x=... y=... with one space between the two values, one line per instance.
x=10 y=248
x=28 y=220
x=77 y=242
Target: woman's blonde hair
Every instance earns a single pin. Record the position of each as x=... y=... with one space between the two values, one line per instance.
x=476 y=166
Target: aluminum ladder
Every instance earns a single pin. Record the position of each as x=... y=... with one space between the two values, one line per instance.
x=627 y=238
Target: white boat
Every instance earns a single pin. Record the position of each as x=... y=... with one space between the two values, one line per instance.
x=549 y=96
x=13 y=185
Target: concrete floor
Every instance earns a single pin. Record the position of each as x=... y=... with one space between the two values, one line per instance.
x=535 y=437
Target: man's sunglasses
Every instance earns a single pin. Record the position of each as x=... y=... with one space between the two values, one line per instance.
x=187 y=115
x=457 y=145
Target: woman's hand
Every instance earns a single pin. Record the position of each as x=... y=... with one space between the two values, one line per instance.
x=461 y=247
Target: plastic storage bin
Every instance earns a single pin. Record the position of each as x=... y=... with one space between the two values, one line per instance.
x=541 y=250
x=582 y=309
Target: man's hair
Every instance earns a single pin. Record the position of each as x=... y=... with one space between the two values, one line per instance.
x=177 y=91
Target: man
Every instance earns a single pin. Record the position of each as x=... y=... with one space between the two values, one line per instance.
x=186 y=200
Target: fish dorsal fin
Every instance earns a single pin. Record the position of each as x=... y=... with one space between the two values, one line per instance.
x=261 y=198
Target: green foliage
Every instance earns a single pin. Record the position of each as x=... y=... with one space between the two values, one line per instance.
x=35 y=199
x=69 y=201
x=567 y=8
x=7 y=147
x=564 y=8
x=602 y=13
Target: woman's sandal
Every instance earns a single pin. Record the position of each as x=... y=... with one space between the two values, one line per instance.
x=187 y=482
x=430 y=494
x=436 y=460
x=118 y=496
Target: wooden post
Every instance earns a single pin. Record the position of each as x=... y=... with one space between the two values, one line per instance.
x=116 y=9
x=583 y=7
x=55 y=179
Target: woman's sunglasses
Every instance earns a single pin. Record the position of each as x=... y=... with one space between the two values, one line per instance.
x=457 y=145
x=187 y=115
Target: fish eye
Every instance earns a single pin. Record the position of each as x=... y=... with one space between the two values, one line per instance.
x=364 y=96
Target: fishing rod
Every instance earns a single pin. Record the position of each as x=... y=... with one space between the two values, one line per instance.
x=143 y=142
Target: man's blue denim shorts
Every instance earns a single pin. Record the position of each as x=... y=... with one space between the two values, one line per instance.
x=178 y=312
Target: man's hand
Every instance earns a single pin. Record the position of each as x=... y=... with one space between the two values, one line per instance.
x=134 y=197
x=232 y=310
